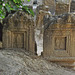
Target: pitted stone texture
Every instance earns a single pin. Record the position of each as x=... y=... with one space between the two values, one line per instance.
x=59 y=36
x=61 y=8
x=18 y=31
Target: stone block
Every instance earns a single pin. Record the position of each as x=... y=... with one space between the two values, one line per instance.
x=59 y=40
x=18 y=32
x=59 y=37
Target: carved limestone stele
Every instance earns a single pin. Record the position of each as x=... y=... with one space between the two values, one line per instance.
x=18 y=31
x=59 y=36
x=59 y=40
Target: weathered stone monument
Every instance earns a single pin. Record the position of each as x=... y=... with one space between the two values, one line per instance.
x=59 y=39
x=18 y=32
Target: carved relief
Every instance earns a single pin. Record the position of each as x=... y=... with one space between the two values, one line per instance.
x=18 y=40
x=18 y=32
x=60 y=43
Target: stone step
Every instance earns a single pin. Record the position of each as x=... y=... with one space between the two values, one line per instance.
x=68 y=62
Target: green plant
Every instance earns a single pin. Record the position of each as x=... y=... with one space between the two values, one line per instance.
x=10 y=6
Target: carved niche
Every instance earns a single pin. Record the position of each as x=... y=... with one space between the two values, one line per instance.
x=18 y=40
x=18 y=31
x=60 y=43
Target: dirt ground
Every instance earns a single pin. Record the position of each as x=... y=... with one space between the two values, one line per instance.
x=19 y=62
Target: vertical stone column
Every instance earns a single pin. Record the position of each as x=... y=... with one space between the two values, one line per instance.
x=6 y=39
x=31 y=41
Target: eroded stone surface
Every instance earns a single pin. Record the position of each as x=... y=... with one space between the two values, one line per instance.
x=50 y=5
x=61 y=8
x=59 y=36
x=59 y=39
x=18 y=31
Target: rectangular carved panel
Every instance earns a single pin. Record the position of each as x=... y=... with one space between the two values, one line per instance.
x=60 y=43
x=18 y=40
x=25 y=41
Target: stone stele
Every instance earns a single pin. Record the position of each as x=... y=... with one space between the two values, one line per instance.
x=59 y=39
x=18 y=31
